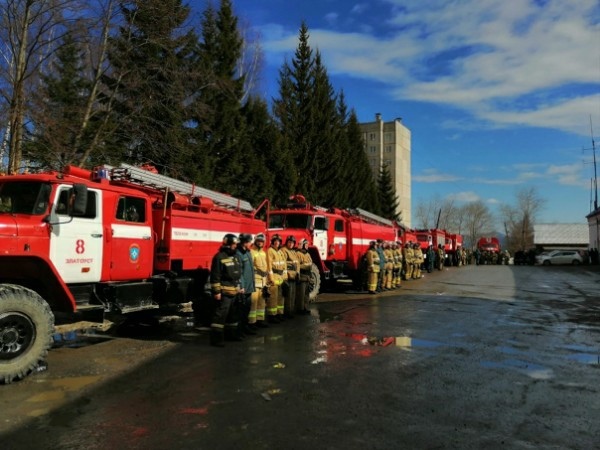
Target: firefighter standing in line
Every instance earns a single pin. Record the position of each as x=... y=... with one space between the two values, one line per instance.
x=379 y=248
x=225 y=275
x=246 y=283
x=373 y=267
x=440 y=257
x=418 y=260
x=277 y=274
x=290 y=284
x=397 y=272
x=388 y=267
x=430 y=259
x=256 y=316
x=302 y=289
x=408 y=260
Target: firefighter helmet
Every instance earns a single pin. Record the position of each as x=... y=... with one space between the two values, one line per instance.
x=260 y=237
x=276 y=237
x=245 y=238
x=290 y=238
x=230 y=239
x=303 y=242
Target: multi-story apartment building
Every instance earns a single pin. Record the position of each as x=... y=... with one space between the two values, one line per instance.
x=388 y=144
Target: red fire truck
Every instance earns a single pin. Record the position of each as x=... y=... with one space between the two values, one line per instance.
x=489 y=244
x=113 y=240
x=338 y=238
x=432 y=237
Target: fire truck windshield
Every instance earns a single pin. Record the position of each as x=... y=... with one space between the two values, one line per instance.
x=301 y=221
x=24 y=197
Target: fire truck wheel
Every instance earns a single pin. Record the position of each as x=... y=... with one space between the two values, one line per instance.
x=314 y=284
x=26 y=327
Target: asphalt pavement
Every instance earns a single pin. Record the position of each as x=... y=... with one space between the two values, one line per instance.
x=468 y=358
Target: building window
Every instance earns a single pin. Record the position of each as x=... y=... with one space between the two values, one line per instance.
x=387 y=162
x=373 y=149
x=371 y=136
x=388 y=137
x=388 y=149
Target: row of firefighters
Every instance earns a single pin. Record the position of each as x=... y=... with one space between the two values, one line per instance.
x=253 y=288
x=387 y=264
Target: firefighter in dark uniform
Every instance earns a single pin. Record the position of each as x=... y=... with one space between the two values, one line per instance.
x=225 y=273
x=290 y=284
x=246 y=282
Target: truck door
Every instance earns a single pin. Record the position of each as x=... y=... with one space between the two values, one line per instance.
x=76 y=243
x=132 y=246
x=339 y=247
x=320 y=227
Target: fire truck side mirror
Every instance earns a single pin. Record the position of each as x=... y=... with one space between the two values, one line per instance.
x=80 y=197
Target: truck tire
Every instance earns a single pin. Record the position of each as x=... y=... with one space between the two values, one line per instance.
x=26 y=327
x=314 y=284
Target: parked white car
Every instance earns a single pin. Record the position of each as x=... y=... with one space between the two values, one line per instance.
x=559 y=257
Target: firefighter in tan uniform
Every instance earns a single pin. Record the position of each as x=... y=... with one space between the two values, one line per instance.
x=408 y=257
x=302 y=291
x=441 y=257
x=388 y=267
x=372 y=267
x=258 y=300
x=397 y=272
x=290 y=284
x=417 y=261
x=276 y=274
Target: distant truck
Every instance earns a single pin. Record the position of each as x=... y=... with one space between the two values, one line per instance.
x=489 y=244
x=490 y=250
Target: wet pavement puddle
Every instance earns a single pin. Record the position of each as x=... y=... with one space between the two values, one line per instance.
x=534 y=371
x=75 y=339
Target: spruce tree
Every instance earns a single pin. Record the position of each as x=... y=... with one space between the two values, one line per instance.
x=362 y=188
x=150 y=84
x=387 y=198
x=263 y=159
x=325 y=153
x=293 y=112
x=221 y=127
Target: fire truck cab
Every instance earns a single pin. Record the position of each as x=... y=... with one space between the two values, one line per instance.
x=82 y=244
x=338 y=238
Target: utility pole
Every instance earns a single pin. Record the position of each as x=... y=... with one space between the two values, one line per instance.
x=595 y=174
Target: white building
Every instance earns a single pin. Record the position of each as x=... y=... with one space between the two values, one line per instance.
x=389 y=144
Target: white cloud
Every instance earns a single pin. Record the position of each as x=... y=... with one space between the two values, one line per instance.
x=504 y=62
x=331 y=18
x=433 y=176
x=359 y=8
x=466 y=197
x=569 y=174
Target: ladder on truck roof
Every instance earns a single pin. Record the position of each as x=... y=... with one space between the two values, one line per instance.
x=370 y=216
x=127 y=172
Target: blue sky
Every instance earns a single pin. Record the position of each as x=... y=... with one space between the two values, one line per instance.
x=498 y=95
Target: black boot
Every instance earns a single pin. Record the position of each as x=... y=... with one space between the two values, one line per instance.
x=217 y=339
x=250 y=330
x=233 y=334
x=273 y=319
x=262 y=324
